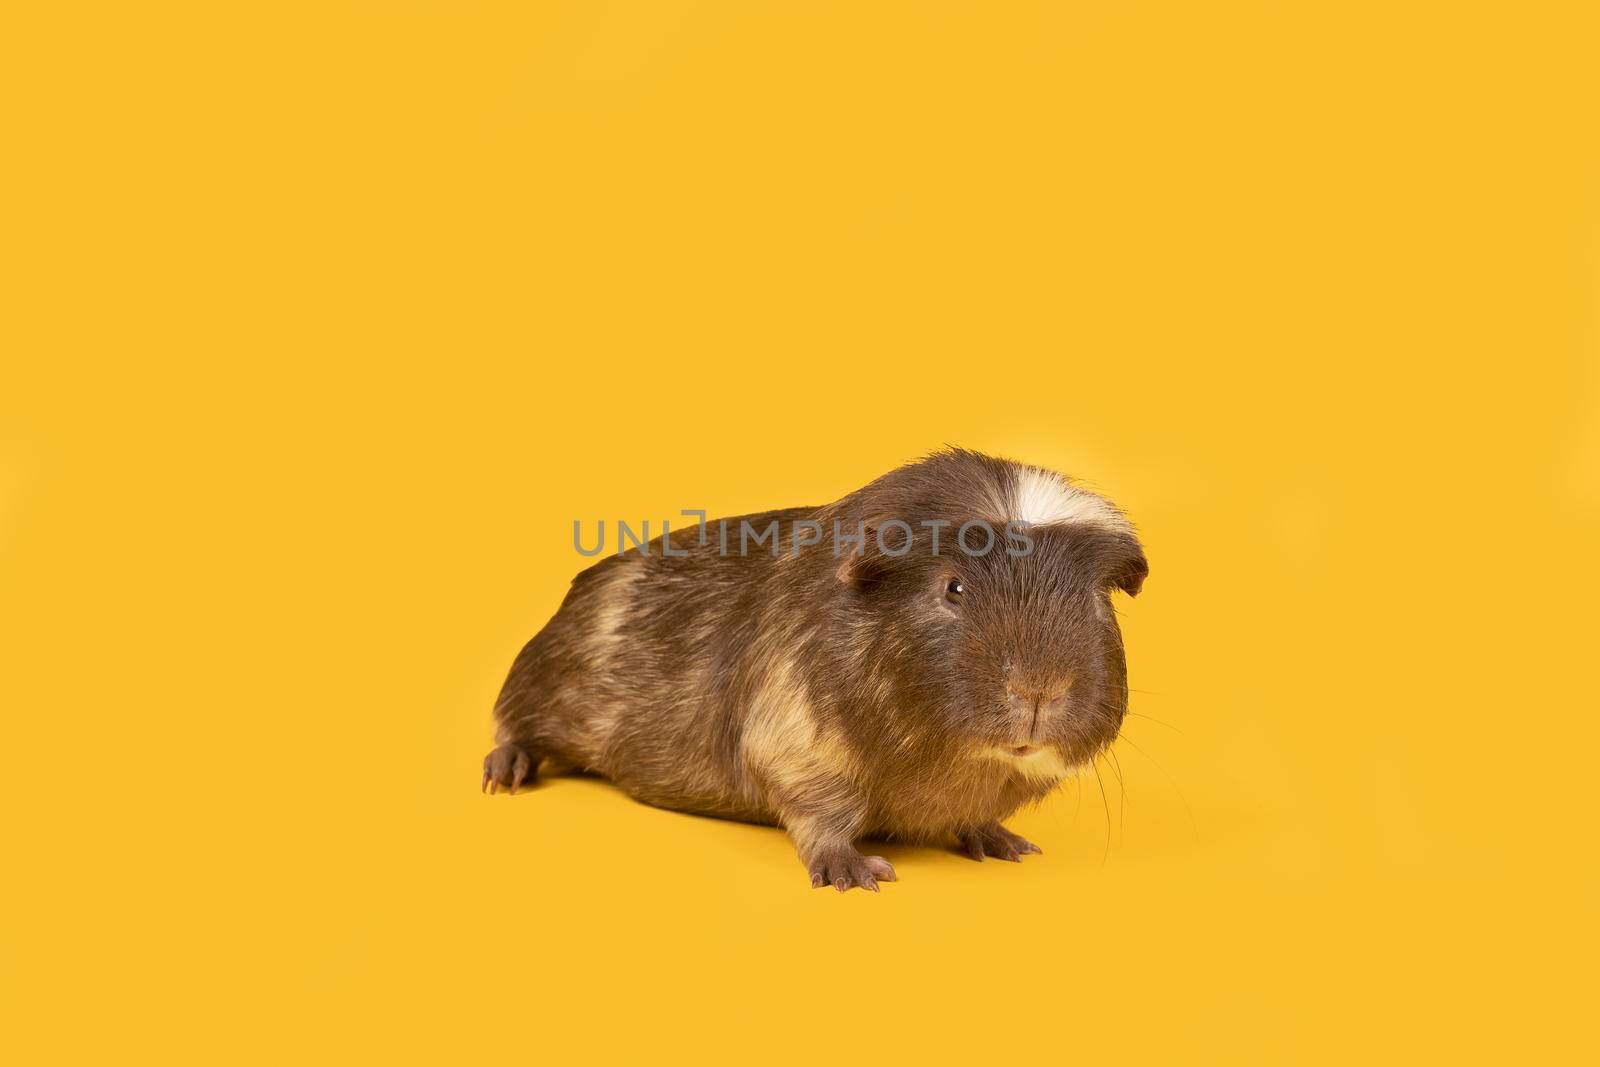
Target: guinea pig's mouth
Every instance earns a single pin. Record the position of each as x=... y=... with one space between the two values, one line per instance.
x=1013 y=751
x=1042 y=764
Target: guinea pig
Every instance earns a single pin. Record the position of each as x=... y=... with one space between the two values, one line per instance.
x=871 y=674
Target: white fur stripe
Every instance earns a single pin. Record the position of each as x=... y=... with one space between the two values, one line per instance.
x=1042 y=498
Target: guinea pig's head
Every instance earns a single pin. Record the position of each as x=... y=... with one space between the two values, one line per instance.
x=1014 y=653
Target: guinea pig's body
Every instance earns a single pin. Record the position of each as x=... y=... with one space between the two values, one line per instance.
x=896 y=685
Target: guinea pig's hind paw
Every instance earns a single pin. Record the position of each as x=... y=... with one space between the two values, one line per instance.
x=507 y=767
x=995 y=840
x=846 y=868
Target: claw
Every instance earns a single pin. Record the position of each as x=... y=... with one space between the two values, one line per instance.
x=508 y=767
x=846 y=869
x=995 y=840
x=880 y=868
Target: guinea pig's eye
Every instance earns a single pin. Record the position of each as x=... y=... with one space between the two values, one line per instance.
x=953 y=591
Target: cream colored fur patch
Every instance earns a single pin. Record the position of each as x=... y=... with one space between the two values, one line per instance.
x=785 y=751
x=1043 y=765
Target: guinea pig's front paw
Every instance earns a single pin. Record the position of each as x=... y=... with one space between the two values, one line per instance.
x=844 y=868
x=995 y=840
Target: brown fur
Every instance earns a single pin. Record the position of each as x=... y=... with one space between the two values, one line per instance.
x=840 y=696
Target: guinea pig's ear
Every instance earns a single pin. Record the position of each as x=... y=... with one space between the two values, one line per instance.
x=863 y=563
x=1128 y=568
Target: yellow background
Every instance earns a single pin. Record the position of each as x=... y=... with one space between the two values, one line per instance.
x=322 y=325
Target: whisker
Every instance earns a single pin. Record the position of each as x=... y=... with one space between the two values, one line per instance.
x=1122 y=800
x=1106 y=804
x=1158 y=722
x=1194 y=825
